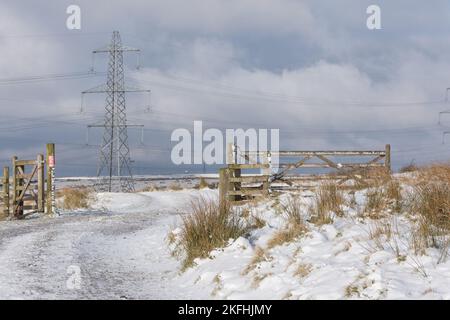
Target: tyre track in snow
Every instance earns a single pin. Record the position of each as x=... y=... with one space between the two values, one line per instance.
x=121 y=256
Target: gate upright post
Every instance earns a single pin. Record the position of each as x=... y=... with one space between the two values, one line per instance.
x=50 y=178
x=41 y=183
x=387 y=159
x=224 y=186
x=6 y=191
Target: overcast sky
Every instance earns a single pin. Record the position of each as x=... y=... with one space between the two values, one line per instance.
x=310 y=68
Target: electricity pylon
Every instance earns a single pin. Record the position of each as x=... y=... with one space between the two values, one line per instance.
x=114 y=164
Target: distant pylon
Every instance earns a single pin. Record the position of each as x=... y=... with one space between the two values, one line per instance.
x=114 y=164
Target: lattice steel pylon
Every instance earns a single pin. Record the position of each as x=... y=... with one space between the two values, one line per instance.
x=114 y=164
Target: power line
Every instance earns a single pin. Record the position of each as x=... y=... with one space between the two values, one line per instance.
x=49 y=77
x=239 y=93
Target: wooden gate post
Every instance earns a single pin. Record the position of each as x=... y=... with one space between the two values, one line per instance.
x=6 y=191
x=387 y=159
x=50 y=178
x=17 y=188
x=224 y=186
x=41 y=183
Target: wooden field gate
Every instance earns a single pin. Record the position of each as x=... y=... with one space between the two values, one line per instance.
x=24 y=186
x=231 y=179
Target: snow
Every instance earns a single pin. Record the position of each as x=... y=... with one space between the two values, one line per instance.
x=121 y=248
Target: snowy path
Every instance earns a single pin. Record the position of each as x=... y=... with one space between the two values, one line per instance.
x=120 y=255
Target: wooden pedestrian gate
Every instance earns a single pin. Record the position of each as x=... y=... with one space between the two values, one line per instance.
x=28 y=185
x=24 y=186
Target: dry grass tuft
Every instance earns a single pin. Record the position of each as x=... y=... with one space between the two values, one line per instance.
x=375 y=202
x=431 y=201
x=328 y=199
x=175 y=186
x=202 y=184
x=409 y=168
x=295 y=225
x=258 y=257
x=285 y=235
x=151 y=188
x=208 y=227
x=292 y=210
x=75 y=198
x=303 y=270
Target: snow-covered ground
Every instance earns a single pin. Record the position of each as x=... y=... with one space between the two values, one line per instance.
x=120 y=247
x=335 y=261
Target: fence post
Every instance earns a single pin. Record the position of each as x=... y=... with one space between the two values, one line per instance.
x=41 y=183
x=230 y=153
x=387 y=159
x=224 y=185
x=6 y=191
x=50 y=178
x=17 y=211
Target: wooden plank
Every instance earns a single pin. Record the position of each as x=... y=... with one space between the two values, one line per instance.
x=25 y=162
x=329 y=153
x=24 y=176
x=249 y=179
x=325 y=165
x=249 y=166
x=246 y=192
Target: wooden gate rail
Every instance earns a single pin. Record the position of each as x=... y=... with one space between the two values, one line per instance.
x=346 y=170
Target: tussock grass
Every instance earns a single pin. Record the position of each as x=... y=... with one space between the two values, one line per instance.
x=429 y=204
x=295 y=225
x=328 y=199
x=431 y=201
x=303 y=270
x=375 y=202
x=439 y=173
x=409 y=168
x=75 y=198
x=151 y=188
x=380 y=198
x=202 y=184
x=258 y=257
x=292 y=210
x=175 y=186
x=208 y=226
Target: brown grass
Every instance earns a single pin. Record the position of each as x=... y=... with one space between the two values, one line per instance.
x=295 y=225
x=292 y=210
x=431 y=201
x=258 y=257
x=208 y=227
x=375 y=202
x=202 y=184
x=303 y=270
x=328 y=199
x=75 y=198
x=175 y=186
x=409 y=168
x=151 y=188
